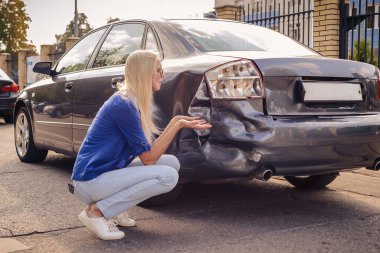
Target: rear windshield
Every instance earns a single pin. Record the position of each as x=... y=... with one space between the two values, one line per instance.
x=214 y=35
x=3 y=75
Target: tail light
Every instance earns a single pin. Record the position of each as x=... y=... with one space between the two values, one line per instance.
x=235 y=80
x=9 y=88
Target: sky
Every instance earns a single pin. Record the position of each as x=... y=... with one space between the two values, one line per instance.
x=50 y=17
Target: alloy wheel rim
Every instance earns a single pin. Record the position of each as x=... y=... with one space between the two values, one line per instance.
x=22 y=134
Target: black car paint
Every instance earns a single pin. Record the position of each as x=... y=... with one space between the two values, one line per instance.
x=7 y=104
x=7 y=100
x=247 y=134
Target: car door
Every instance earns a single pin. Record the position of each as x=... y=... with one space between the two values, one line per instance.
x=52 y=99
x=94 y=86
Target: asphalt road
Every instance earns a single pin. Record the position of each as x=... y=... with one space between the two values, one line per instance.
x=37 y=210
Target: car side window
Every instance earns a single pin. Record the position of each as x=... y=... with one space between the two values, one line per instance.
x=151 y=43
x=77 y=58
x=119 y=44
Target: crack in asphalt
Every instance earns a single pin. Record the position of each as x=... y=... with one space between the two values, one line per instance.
x=143 y=219
x=66 y=230
x=292 y=196
x=40 y=232
x=353 y=192
x=9 y=230
x=286 y=230
x=16 y=172
x=210 y=210
x=364 y=174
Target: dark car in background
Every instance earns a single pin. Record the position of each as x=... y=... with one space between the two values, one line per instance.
x=276 y=106
x=8 y=95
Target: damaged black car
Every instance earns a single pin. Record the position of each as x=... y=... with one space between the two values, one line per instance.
x=277 y=107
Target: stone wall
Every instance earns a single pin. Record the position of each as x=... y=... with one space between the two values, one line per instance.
x=4 y=63
x=230 y=12
x=46 y=54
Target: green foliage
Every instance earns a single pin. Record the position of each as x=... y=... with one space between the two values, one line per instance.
x=363 y=52
x=14 y=22
x=83 y=28
x=111 y=20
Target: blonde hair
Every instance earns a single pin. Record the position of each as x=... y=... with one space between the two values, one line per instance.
x=139 y=69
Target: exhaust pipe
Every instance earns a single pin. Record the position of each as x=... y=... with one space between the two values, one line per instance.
x=376 y=166
x=263 y=173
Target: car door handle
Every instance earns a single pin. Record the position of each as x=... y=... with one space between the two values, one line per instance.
x=116 y=80
x=68 y=86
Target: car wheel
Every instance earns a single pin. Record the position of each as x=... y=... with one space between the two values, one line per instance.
x=25 y=148
x=311 y=182
x=8 y=119
x=163 y=199
x=58 y=114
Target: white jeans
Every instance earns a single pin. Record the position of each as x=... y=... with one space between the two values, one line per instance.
x=118 y=190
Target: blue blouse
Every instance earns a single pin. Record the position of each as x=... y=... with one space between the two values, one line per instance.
x=113 y=140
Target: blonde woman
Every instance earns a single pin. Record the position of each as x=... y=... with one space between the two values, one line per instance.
x=118 y=164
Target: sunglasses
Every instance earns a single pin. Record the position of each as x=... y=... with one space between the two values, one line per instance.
x=161 y=71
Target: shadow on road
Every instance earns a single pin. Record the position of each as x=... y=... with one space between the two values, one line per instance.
x=204 y=216
x=59 y=162
x=261 y=198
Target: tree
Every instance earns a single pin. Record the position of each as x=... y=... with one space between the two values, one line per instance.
x=14 y=22
x=364 y=54
x=111 y=20
x=83 y=28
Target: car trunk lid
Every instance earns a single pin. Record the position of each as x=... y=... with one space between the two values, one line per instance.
x=318 y=86
x=300 y=86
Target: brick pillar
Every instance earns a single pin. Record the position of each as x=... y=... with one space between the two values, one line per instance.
x=231 y=12
x=45 y=53
x=326 y=27
x=70 y=42
x=22 y=54
x=4 y=63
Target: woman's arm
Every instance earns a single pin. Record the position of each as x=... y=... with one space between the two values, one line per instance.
x=161 y=144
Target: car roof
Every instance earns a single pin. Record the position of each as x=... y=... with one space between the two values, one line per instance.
x=173 y=19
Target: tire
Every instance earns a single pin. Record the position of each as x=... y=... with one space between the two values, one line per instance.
x=163 y=199
x=24 y=142
x=58 y=114
x=312 y=182
x=8 y=119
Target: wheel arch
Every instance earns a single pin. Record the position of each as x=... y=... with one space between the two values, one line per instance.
x=20 y=104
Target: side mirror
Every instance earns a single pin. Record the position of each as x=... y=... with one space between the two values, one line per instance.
x=43 y=68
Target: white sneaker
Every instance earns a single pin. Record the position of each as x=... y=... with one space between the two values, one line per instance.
x=105 y=229
x=123 y=219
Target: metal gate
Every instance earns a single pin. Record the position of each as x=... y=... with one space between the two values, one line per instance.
x=359 y=30
x=293 y=18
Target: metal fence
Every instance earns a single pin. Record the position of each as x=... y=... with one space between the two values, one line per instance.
x=293 y=18
x=359 y=30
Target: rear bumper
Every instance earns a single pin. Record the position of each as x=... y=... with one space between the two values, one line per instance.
x=290 y=146
x=322 y=144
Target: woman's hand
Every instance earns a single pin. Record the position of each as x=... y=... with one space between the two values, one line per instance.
x=179 y=117
x=191 y=122
x=194 y=123
x=161 y=144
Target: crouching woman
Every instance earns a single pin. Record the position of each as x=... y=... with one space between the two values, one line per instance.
x=118 y=164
